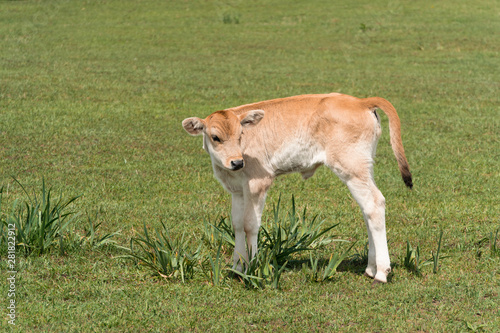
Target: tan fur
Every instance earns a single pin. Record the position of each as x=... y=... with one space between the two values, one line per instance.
x=252 y=144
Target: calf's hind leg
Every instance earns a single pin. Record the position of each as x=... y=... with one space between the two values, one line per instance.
x=372 y=204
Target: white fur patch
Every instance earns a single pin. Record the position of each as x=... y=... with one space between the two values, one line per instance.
x=297 y=156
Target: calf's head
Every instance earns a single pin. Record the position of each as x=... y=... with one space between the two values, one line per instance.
x=222 y=132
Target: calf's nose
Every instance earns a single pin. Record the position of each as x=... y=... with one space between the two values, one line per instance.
x=237 y=164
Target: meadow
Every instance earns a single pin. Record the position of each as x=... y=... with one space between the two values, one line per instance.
x=92 y=96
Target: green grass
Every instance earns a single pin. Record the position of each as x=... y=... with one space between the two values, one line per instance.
x=92 y=94
x=43 y=223
x=164 y=256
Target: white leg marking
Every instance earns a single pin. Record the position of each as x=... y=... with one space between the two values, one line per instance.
x=372 y=204
x=237 y=213
x=254 y=205
x=255 y=198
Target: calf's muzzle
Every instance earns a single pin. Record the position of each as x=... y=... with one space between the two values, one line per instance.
x=237 y=164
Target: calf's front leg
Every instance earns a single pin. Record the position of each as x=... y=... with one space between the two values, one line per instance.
x=246 y=213
x=237 y=214
x=254 y=205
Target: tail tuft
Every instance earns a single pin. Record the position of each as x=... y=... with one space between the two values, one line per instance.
x=408 y=181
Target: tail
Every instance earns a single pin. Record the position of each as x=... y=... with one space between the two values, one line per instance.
x=395 y=132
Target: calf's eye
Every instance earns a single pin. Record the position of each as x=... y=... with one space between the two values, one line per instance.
x=215 y=138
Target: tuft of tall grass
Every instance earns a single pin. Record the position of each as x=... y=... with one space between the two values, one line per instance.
x=495 y=250
x=218 y=234
x=413 y=262
x=319 y=273
x=435 y=256
x=492 y=239
x=277 y=243
x=231 y=18
x=164 y=256
x=217 y=268
x=43 y=223
x=295 y=233
x=91 y=239
x=286 y=236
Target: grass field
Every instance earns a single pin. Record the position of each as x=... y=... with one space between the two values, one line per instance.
x=92 y=95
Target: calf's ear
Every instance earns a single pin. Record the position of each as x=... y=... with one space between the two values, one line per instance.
x=194 y=125
x=251 y=118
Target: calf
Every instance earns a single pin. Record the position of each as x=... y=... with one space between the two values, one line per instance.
x=252 y=144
